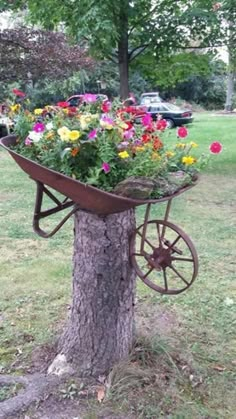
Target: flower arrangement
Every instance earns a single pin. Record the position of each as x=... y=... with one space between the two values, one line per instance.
x=106 y=145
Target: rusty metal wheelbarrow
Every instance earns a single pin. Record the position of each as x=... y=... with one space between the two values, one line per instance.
x=161 y=253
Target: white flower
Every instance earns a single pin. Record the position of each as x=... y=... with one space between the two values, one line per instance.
x=49 y=126
x=35 y=136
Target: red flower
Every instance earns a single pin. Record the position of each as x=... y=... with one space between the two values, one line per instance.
x=182 y=132
x=72 y=111
x=18 y=93
x=216 y=147
x=106 y=106
x=129 y=125
x=146 y=138
x=161 y=124
x=63 y=104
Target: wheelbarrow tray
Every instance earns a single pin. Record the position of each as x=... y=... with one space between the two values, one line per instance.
x=88 y=198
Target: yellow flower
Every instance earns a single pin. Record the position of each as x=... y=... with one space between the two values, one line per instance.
x=180 y=145
x=193 y=144
x=15 y=108
x=74 y=135
x=106 y=125
x=50 y=135
x=85 y=120
x=188 y=160
x=64 y=133
x=123 y=155
x=38 y=111
x=121 y=124
x=139 y=148
x=155 y=156
x=170 y=154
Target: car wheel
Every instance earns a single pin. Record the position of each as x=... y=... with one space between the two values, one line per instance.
x=170 y=123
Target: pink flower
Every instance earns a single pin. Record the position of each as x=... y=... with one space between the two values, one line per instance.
x=182 y=132
x=39 y=127
x=28 y=141
x=106 y=106
x=92 y=134
x=161 y=124
x=216 y=147
x=147 y=120
x=106 y=167
x=127 y=135
x=18 y=92
x=89 y=98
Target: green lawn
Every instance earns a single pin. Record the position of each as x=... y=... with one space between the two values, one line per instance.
x=191 y=336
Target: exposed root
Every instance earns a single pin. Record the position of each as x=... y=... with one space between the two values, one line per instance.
x=36 y=387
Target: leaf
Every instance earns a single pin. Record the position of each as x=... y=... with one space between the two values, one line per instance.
x=219 y=368
x=64 y=152
x=101 y=393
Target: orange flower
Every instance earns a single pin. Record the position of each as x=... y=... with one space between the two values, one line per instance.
x=74 y=151
x=49 y=135
x=157 y=143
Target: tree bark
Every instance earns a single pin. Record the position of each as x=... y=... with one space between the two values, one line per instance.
x=123 y=52
x=101 y=325
x=231 y=69
x=230 y=91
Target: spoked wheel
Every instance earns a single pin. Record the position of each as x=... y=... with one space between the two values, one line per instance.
x=164 y=257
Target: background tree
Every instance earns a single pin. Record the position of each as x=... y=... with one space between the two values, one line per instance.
x=34 y=54
x=123 y=30
x=226 y=15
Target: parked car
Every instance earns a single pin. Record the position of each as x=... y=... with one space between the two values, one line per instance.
x=148 y=98
x=174 y=115
x=76 y=100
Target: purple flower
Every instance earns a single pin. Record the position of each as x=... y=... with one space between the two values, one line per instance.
x=106 y=167
x=92 y=134
x=138 y=142
x=123 y=145
x=28 y=141
x=38 y=127
x=89 y=98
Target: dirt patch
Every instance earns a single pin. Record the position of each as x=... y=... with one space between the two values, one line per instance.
x=151 y=319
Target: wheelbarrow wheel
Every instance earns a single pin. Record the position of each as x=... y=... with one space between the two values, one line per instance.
x=164 y=257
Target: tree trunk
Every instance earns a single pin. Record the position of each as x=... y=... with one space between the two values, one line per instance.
x=231 y=69
x=101 y=325
x=230 y=91
x=123 y=52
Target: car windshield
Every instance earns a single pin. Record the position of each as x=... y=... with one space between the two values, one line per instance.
x=147 y=100
x=172 y=107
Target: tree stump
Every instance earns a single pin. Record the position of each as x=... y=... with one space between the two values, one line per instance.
x=100 y=329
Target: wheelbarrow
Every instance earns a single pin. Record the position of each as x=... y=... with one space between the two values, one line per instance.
x=161 y=253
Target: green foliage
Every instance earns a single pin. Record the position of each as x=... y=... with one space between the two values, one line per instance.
x=103 y=25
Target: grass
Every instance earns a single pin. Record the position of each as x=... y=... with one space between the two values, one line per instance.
x=184 y=366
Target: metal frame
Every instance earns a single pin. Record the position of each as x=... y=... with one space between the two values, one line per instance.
x=60 y=206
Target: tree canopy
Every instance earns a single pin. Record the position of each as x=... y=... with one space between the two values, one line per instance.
x=122 y=30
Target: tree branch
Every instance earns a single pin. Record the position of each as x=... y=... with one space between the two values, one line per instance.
x=140 y=49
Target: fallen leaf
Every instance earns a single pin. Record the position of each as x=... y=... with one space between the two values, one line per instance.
x=101 y=394
x=219 y=368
